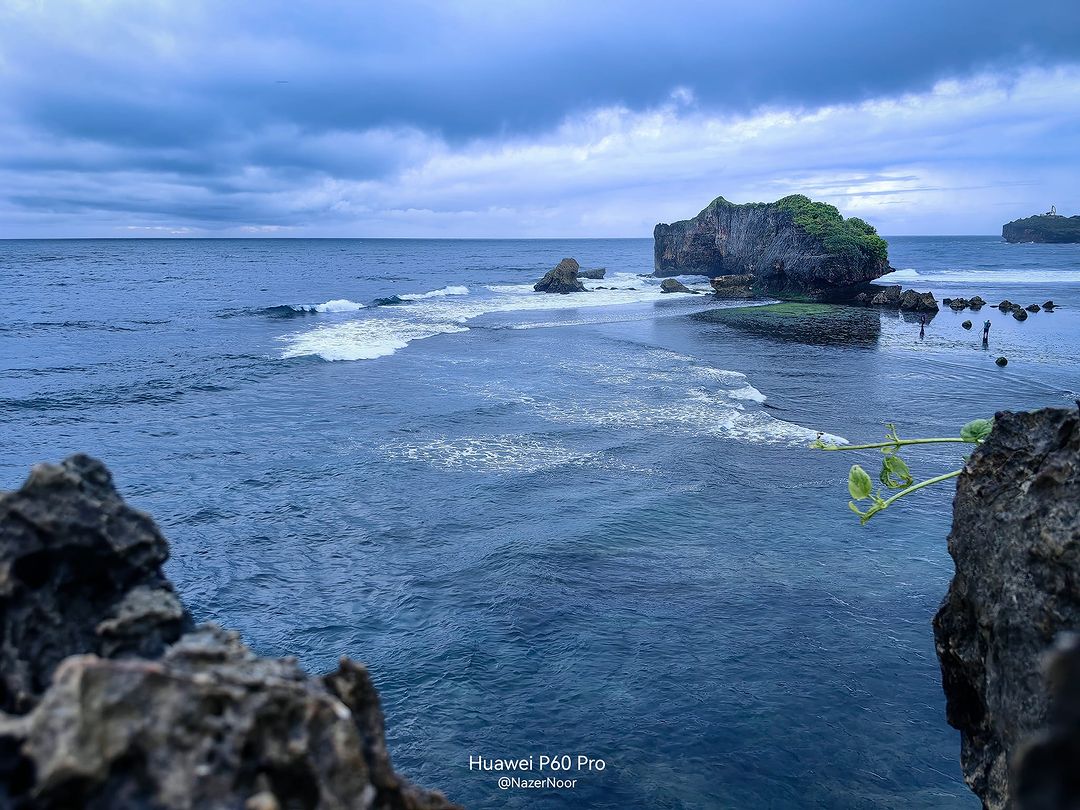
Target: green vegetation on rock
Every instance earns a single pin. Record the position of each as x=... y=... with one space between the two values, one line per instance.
x=851 y=239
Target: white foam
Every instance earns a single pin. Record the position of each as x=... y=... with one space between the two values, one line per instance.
x=437 y=311
x=363 y=339
x=749 y=393
x=988 y=277
x=487 y=453
x=456 y=289
x=338 y=305
x=684 y=397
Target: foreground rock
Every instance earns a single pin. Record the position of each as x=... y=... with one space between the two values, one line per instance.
x=80 y=572
x=109 y=706
x=792 y=248
x=1015 y=541
x=1045 y=228
x=563 y=278
x=670 y=285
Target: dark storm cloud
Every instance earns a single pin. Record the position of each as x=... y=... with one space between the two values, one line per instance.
x=215 y=112
x=473 y=69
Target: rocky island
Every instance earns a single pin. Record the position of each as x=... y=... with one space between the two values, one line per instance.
x=1050 y=227
x=793 y=248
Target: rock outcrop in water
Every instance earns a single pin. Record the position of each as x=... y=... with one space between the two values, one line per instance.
x=595 y=273
x=111 y=699
x=671 y=285
x=1050 y=228
x=1015 y=540
x=563 y=278
x=792 y=248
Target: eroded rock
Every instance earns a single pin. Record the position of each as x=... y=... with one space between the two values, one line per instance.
x=671 y=285
x=563 y=279
x=119 y=710
x=1015 y=541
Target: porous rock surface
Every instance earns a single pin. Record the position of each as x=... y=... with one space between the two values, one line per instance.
x=1015 y=540
x=113 y=700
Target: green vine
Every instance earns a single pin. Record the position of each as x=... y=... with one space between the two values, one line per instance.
x=895 y=473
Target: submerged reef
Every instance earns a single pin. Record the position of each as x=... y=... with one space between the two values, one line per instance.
x=112 y=698
x=791 y=248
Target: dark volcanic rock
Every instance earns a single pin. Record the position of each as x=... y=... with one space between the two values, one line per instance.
x=912 y=301
x=956 y=304
x=1015 y=541
x=1043 y=228
x=977 y=303
x=966 y=324
x=1002 y=361
x=670 y=285
x=80 y=572
x=1020 y=313
x=140 y=717
x=595 y=273
x=1032 y=307
x=1048 y=305
x=889 y=297
x=791 y=248
x=562 y=279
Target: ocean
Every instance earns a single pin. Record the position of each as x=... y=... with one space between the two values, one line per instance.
x=583 y=525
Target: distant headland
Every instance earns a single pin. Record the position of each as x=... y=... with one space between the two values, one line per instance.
x=1048 y=227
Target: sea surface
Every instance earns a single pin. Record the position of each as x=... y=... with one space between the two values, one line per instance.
x=584 y=525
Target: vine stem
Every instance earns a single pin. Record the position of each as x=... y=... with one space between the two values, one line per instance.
x=920 y=485
x=897 y=443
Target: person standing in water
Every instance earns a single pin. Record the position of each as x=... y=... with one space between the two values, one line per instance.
x=986 y=331
x=922 y=327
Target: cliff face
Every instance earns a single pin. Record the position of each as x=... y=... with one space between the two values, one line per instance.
x=1042 y=229
x=1015 y=540
x=112 y=699
x=790 y=248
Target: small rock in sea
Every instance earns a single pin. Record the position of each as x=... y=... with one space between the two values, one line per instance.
x=1020 y=314
x=670 y=285
x=1006 y=305
x=912 y=301
x=1048 y=306
x=1002 y=361
x=966 y=324
x=889 y=297
x=1033 y=307
x=977 y=302
x=958 y=304
x=946 y=301
x=594 y=274
x=562 y=279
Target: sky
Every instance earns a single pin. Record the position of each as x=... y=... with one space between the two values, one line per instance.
x=523 y=118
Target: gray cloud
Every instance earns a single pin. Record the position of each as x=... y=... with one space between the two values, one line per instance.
x=286 y=114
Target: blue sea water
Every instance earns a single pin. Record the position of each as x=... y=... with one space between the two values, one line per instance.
x=548 y=524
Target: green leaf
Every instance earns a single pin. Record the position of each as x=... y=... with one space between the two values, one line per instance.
x=895 y=473
x=977 y=430
x=858 y=483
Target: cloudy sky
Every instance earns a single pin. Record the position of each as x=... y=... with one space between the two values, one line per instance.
x=529 y=118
